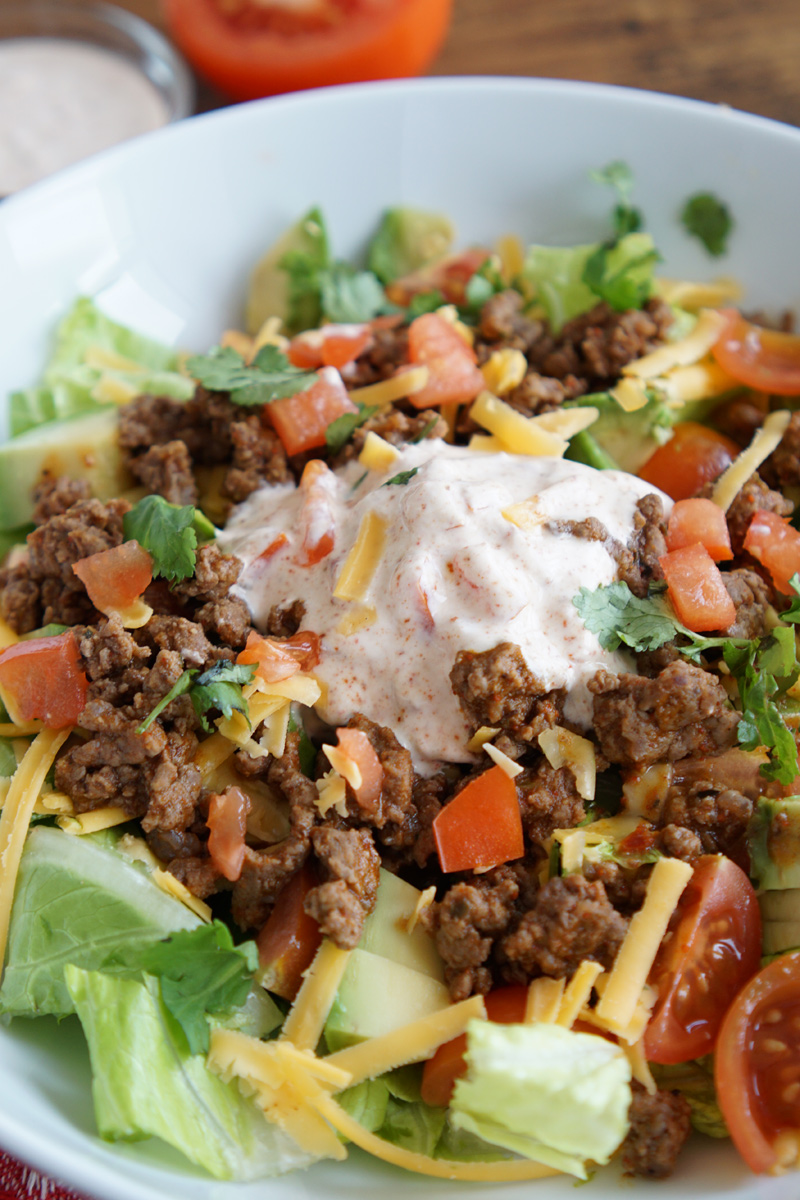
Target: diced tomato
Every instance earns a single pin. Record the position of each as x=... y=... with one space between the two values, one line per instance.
x=449 y=276
x=481 y=826
x=251 y=48
x=693 y=456
x=116 y=577
x=316 y=516
x=300 y=420
x=227 y=820
x=506 y=1005
x=757 y=1067
x=712 y=952
x=330 y=346
x=290 y=939
x=279 y=658
x=776 y=545
x=43 y=679
x=454 y=375
x=763 y=359
x=272 y=549
x=696 y=589
x=357 y=746
x=703 y=521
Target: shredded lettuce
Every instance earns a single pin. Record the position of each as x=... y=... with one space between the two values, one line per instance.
x=113 y=351
x=545 y=1092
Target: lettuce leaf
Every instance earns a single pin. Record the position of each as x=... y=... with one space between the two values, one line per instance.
x=545 y=1092
x=146 y=1082
x=558 y=275
x=77 y=900
x=69 y=380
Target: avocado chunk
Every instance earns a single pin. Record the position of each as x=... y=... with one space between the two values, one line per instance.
x=780 y=915
x=83 y=447
x=408 y=239
x=773 y=840
x=304 y=245
x=386 y=930
x=377 y=996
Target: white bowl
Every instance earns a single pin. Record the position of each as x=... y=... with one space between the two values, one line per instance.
x=163 y=232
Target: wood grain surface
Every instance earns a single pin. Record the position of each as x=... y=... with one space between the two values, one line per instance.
x=742 y=54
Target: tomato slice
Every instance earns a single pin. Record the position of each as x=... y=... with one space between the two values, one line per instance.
x=300 y=420
x=454 y=375
x=712 y=952
x=506 y=1005
x=696 y=590
x=330 y=346
x=251 y=48
x=703 y=521
x=694 y=455
x=290 y=939
x=449 y=276
x=277 y=659
x=757 y=1067
x=43 y=679
x=116 y=577
x=227 y=820
x=776 y=545
x=482 y=825
x=763 y=359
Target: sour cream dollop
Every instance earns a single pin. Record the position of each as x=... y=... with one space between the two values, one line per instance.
x=455 y=574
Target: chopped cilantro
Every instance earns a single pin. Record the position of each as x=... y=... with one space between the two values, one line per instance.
x=350 y=297
x=485 y=283
x=270 y=376
x=426 y=431
x=220 y=688
x=705 y=216
x=619 y=176
x=303 y=269
x=200 y=972
x=762 y=667
x=402 y=478
x=339 y=432
x=306 y=750
x=168 y=533
x=627 y=286
x=424 y=302
x=358 y=482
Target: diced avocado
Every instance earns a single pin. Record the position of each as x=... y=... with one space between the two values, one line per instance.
x=269 y=292
x=83 y=447
x=780 y=914
x=407 y=239
x=774 y=843
x=386 y=933
x=377 y=996
x=629 y=438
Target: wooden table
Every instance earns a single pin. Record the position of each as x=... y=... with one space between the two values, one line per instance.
x=742 y=54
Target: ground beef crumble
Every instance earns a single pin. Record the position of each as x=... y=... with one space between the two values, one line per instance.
x=496 y=688
x=660 y=1124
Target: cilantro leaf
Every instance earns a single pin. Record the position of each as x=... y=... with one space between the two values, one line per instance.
x=167 y=533
x=303 y=267
x=627 y=286
x=220 y=687
x=485 y=283
x=424 y=302
x=351 y=297
x=402 y=478
x=792 y=613
x=618 y=617
x=269 y=377
x=704 y=216
x=619 y=176
x=339 y=432
x=200 y=971
x=306 y=750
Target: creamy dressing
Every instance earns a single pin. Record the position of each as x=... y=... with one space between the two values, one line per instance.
x=62 y=100
x=455 y=574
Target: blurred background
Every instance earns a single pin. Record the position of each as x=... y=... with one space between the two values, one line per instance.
x=745 y=55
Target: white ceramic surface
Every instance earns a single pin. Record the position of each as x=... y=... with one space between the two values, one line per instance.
x=163 y=230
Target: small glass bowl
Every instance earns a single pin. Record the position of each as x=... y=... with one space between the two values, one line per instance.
x=111 y=28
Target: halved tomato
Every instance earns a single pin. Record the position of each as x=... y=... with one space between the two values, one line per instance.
x=763 y=359
x=757 y=1067
x=694 y=455
x=251 y=48
x=712 y=952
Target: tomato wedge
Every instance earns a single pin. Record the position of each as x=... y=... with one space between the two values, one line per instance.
x=776 y=545
x=251 y=48
x=702 y=521
x=757 y=1067
x=696 y=589
x=763 y=359
x=712 y=952
x=454 y=375
x=227 y=820
x=43 y=679
x=506 y=1005
x=693 y=456
x=290 y=938
x=116 y=577
x=300 y=420
x=482 y=825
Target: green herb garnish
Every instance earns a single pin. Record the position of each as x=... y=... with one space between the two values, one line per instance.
x=167 y=532
x=270 y=376
x=402 y=478
x=219 y=688
x=339 y=432
x=704 y=216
